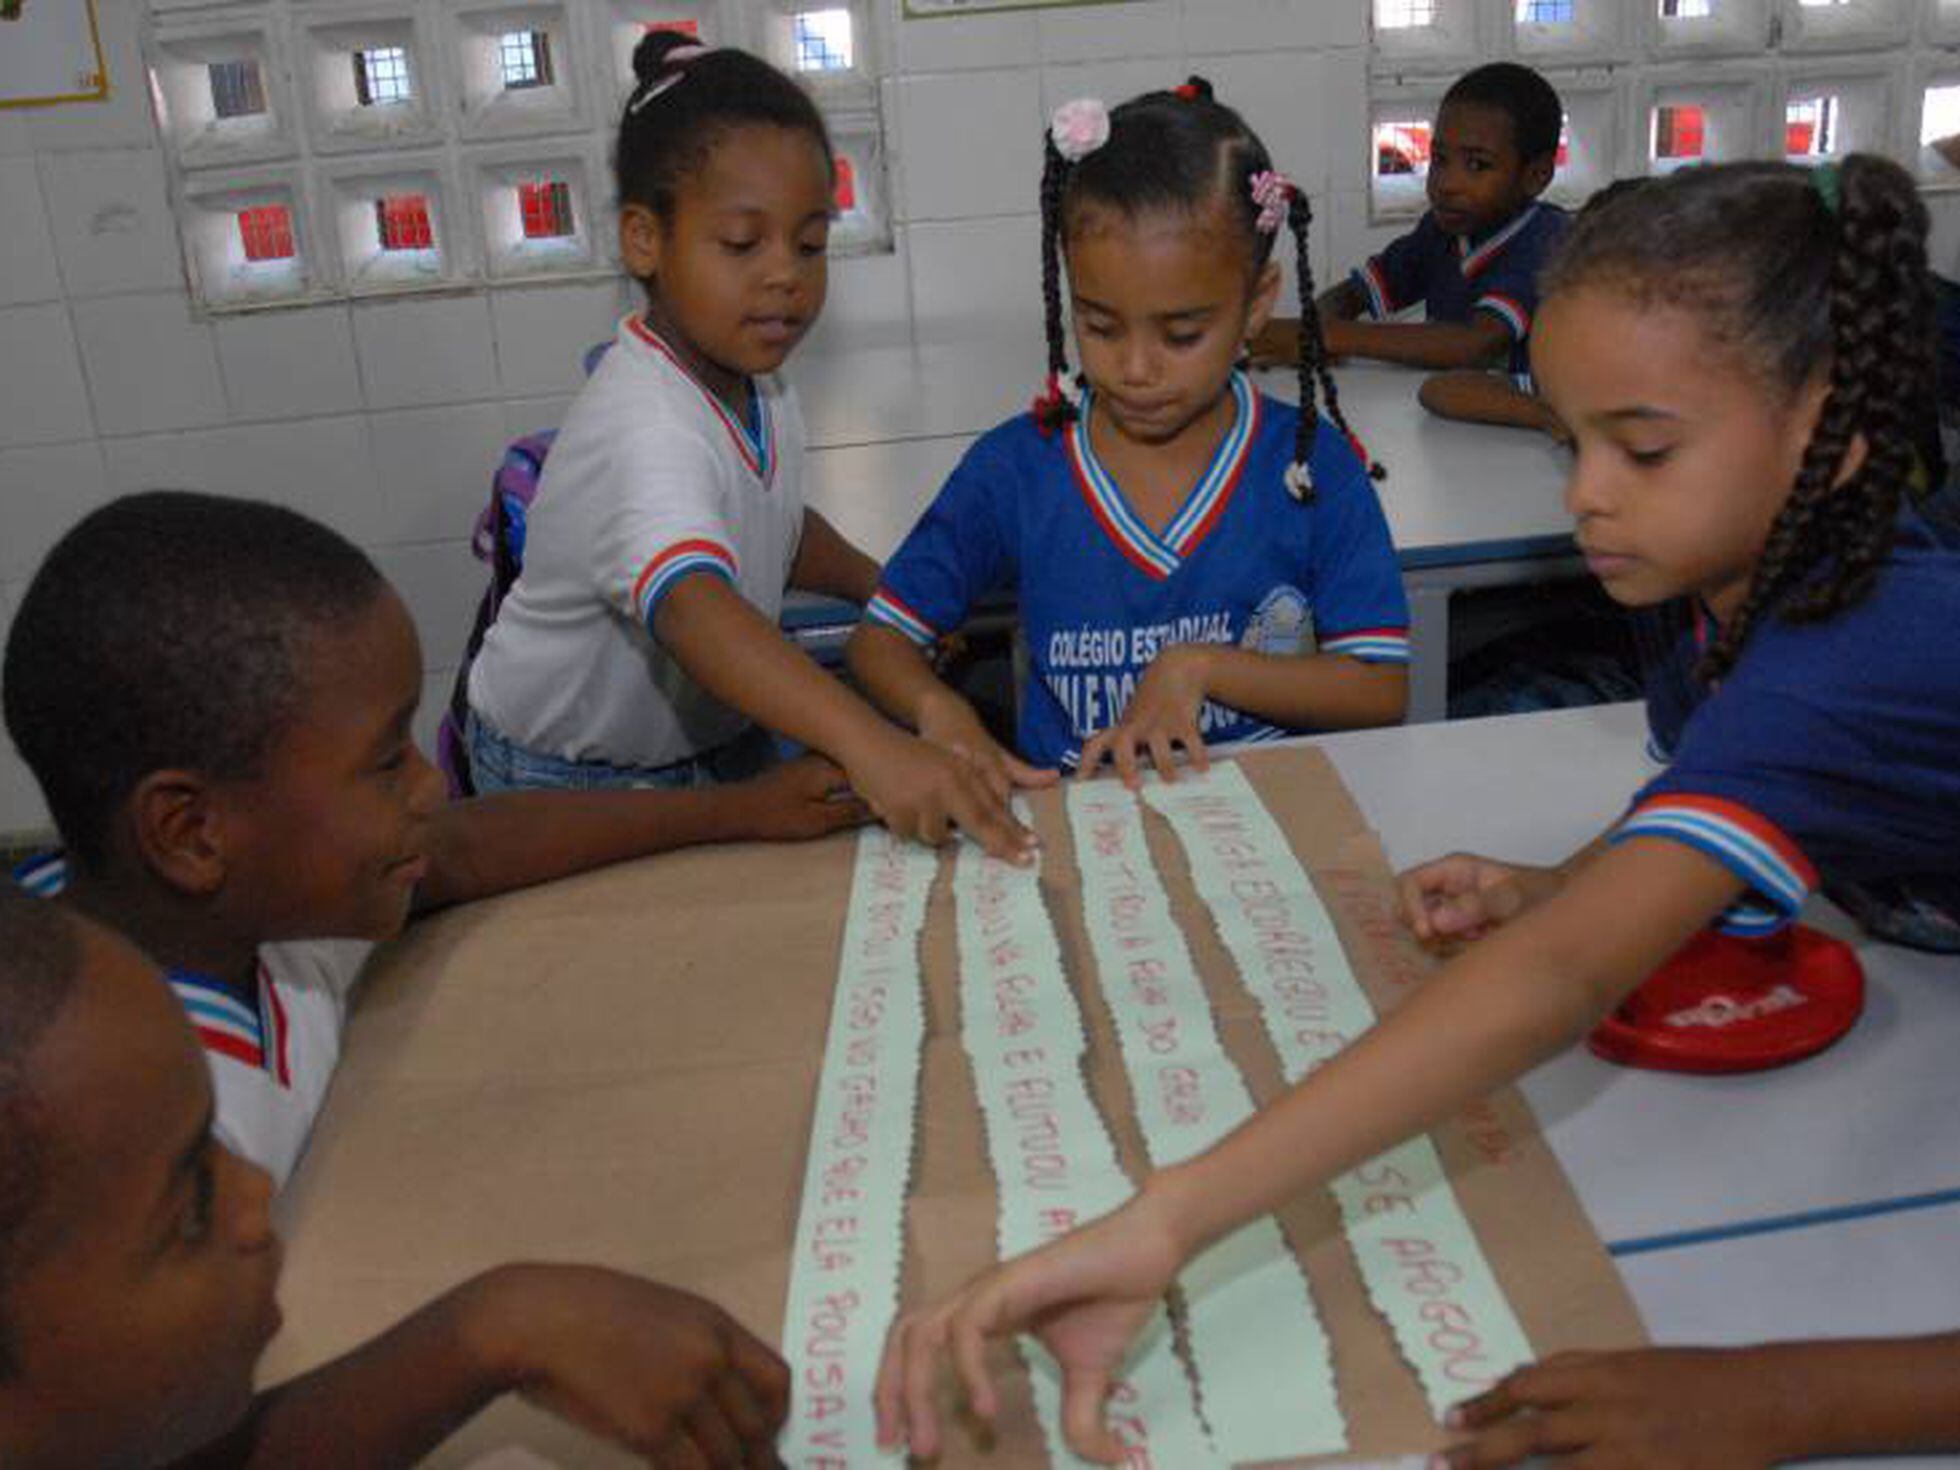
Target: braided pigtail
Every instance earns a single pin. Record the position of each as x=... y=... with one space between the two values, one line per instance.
x=1313 y=369
x=1053 y=410
x=1824 y=549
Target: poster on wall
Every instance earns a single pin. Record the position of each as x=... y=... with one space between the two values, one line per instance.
x=49 y=52
x=922 y=9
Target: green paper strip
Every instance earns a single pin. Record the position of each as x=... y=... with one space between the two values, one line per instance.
x=1054 y=1164
x=850 y=1231
x=1265 y=1367
x=1423 y=1268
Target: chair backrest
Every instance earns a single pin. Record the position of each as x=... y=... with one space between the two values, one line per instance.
x=497 y=540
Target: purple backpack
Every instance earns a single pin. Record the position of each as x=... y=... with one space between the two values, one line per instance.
x=499 y=541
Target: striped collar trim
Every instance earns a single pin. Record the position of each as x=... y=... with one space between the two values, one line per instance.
x=1476 y=259
x=757 y=447
x=1159 y=556
x=226 y=1025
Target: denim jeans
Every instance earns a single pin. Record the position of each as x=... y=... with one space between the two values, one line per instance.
x=498 y=763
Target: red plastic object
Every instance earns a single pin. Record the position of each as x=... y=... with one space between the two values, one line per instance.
x=1724 y=1004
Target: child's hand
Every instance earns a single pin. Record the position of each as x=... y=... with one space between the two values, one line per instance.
x=1277 y=344
x=923 y=792
x=1686 y=1408
x=950 y=723
x=666 y=1374
x=1085 y=1296
x=1162 y=716
x=805 y=797
x=1461 y=896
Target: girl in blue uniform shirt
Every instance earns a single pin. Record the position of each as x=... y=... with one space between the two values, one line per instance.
x=1194 y=563
x=1743 y=355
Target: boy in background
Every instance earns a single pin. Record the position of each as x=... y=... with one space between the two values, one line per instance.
x=139 y=1269
x=216 y=698
x=1472 y=261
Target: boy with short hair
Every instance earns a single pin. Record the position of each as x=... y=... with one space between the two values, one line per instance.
x=216 y=696
x=1473 y=259
x=138 y=1270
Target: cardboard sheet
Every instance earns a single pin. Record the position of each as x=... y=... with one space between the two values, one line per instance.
x=622 y=1068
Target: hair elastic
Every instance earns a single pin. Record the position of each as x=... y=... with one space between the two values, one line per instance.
x=1272 y=191
x=1079 y=128
x=677 y=59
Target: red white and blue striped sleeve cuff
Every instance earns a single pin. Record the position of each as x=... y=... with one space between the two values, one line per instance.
x=666 y=570
x=887 y=608
x=1751 y=847
x=1381 y=303
x=1507 y=310
x=1370 y=645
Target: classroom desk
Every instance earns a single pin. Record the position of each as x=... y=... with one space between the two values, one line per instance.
x=1819 y=1200
x=1468 y=505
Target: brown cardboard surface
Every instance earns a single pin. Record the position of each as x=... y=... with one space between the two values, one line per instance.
x=620 y=1069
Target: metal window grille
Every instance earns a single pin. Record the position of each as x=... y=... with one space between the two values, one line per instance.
x=1679 y=131
x=401 y=222
x=1402 y=15
x=1545 y=12
x=237 y=90
x=1686 y=10
x=823 y=40
x=266 y=230
x=545 y=207
x=1810 y=127
x=524 y=59
x=381 y=76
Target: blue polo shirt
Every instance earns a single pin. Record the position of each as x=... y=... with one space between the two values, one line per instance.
x=1830 y=754
x=1454 y=276
x=1100 y=592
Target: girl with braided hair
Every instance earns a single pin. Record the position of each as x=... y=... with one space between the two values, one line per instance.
x=1743 y=355
x=1196 y=564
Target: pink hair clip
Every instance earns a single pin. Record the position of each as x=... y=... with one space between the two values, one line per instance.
x=1079 y=128
x=675 y=58
x=1272 y=191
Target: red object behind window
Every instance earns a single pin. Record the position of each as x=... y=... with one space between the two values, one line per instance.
x=402 y=222
x=689 y=27
x=545 y=208
x=267 y=231
x=845 y=195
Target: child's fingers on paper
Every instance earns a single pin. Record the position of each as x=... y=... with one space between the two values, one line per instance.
x=1085 y=1392
x=1519 y=1438
x=761 y=1379
x=925 y=1338
x=969 y=1344
x=1195 y=751
x=1028 y=775
x=1095 y=751
x=739 y=1406
x=1125 y=751
x=713 y=1437
x=888 y=1393
x=1163 y=755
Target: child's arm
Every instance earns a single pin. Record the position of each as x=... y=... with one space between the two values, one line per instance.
x=669 y=1376
x=1529 y=989
x=1277 y=344
x=1463 y=895
x=741 y=658
x=1318 y=691
x=1482 y=339
x=1721 y=1409
x=895 y=676
x=826 y=563
x=492 y=844
x=1488 y=398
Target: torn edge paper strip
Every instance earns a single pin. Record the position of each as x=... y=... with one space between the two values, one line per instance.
x=1423 y=1268
x=1265 y=1367
x=1053 y=1160
x=850 y=1231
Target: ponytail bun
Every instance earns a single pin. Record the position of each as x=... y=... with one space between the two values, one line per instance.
x=650 y=56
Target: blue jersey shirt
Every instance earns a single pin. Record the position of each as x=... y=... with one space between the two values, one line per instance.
x=1100 y=593
x=1831 y=752
x=1453 y=276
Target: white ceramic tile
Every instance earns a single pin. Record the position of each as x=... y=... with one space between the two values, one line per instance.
x=965 y=42
x=43 y=399
x=319 y=467
x=972 y=144
x=433 y=468
x=27 y=257
x=530 y=415
x=870 y=301
x=150 y=365
x=112 y=222
x=289 y=364
x=1212 y=26
x=977 y=276
x=15 y=138
x=164 y=462
x=122 y=120
x=42 y=493
x=441 y=582
x=544 y=332
x=1108 y=32
x=1278 y=94
x=418 y=352
x=1112 y=82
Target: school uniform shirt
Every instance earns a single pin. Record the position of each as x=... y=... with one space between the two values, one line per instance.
x=270 y=1060
x=270 y=1067
x=1241 y=562
x=651 y=480
x=1455 y=276
x=1830 y=753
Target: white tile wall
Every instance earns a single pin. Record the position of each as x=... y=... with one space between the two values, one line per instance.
x=28 y=268
x=42 y=493
x=150 y=363
x=422 y=350
x=441 y=582
x=433 y=468
x=543 y=333
x=289 y=364
x=112 y=221
x=43 y=399
x=972 y=143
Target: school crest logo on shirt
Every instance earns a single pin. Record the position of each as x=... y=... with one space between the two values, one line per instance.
x=1281 y=624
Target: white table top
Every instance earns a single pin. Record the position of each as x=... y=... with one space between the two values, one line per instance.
x=1852 y=1135
x=887 y=423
